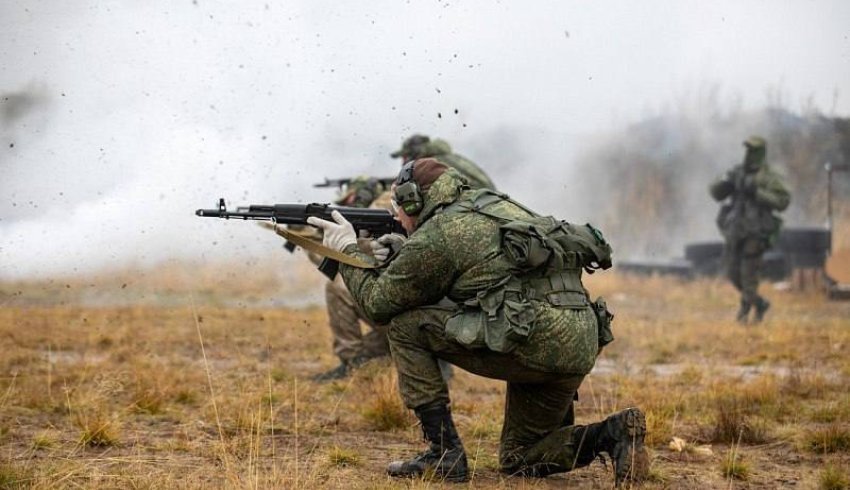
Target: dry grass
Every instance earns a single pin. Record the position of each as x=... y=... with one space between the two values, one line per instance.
x=833 y=477
x=831 y=438
x=733 y=466
x=733 y=424
x=339 y=456
x=122 y=397
x=384 y=410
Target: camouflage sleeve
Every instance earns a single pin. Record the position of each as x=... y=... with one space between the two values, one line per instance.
x=421 y=274
x=772 y=193
x=720 y=189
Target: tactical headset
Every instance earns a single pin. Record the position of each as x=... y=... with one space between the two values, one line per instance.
x=407 y=194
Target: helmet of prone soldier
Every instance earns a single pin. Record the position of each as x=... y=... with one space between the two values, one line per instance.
x=413 y=182
x=411 y=148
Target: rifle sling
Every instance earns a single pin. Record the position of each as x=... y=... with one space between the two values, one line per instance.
x=319 y=249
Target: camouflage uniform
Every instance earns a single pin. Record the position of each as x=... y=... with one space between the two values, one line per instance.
x=459 y=255
x=748 y=222
x=350 y=344
x=420 y=146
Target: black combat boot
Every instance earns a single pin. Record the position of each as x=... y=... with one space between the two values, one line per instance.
x=445 y=457
x=339 y=372
x=761 y=308
x=620 y=436
x=345 y=368
x=743 y=311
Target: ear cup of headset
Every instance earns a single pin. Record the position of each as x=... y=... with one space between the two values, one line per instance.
x=407 y=194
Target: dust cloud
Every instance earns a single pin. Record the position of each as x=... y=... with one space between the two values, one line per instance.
x=119 y=119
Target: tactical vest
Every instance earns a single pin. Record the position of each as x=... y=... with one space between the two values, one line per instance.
x=743 y=218
x=548 y=256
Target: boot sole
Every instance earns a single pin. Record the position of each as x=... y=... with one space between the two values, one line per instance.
x=631 y=446
x=429 y=475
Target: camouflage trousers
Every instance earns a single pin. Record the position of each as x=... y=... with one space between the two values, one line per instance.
x=536 y=404
x=344 y=317
x=743 y=265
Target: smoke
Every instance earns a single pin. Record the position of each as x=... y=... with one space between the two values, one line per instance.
x=119 y=119
x=649 y=180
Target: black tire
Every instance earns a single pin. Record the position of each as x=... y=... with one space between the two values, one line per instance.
x=805 y=240
x=704 y=251
x=774 y=266
x=805 y=247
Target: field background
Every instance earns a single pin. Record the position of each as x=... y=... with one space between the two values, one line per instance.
x=181 y=377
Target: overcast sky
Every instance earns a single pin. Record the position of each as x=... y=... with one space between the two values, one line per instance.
x=119 y=118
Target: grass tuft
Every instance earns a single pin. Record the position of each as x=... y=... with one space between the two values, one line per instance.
x=832 y=438
x=659 y=425
x=15 y=477
x=384 y=410
x=733 y=466
x=97 y=429
x=833 y=478
x=148 y=400
x=280 y=375
x=485 y=427
x=186 y=396
x=343 y=457
x=43 y=440
x=732 y=424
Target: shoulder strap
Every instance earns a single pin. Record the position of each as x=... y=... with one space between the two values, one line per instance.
x=484 y=198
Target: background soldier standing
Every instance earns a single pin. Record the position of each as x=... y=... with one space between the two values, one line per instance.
x=421 y=146
x=748 y=222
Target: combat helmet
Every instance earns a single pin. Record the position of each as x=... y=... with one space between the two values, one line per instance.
x=412 y=147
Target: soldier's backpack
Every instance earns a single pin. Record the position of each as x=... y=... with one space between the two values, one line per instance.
x=549 y=255
x=543 y=244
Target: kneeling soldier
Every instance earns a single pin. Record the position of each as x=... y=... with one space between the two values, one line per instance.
x=521 y=314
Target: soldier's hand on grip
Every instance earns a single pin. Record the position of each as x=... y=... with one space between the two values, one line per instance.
x=386 y=246
x=337 y=235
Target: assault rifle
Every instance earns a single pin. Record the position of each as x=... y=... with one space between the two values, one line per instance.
x=345 y=182
x=376 y=221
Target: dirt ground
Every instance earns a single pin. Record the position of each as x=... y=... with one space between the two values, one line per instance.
x=111 y=382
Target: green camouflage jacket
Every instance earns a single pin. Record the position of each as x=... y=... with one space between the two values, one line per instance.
x=459 y=256
x=754 y=196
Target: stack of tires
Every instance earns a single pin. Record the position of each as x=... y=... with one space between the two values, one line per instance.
x=801 y=247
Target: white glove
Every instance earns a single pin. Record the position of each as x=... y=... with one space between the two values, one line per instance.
x=337 y=235
x=386 y=245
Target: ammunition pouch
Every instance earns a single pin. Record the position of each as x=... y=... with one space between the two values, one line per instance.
x=772 y=226
x=504 y=316
x=604 y=318
x=498 y=319
x=724 y=218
